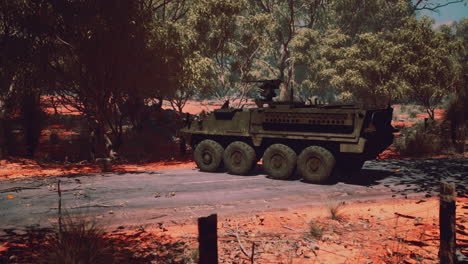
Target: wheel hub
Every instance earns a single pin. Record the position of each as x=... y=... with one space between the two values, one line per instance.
x=313 y=164
x=207 y=158
x=277 y=161
x=236 y=158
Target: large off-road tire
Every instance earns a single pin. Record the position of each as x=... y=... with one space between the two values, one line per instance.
x=279 y=161
x=239 y=158
x=208 y=155
x=315 y=164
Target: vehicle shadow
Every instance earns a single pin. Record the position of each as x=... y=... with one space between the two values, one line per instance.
x=401 y=176
x=365 y=177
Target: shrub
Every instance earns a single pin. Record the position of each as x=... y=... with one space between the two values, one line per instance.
x=423 y=139
x=78 y=241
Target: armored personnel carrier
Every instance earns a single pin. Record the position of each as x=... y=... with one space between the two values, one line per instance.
x=315 y=139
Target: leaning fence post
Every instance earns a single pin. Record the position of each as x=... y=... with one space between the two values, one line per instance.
x=208 y=239
x=447 y=224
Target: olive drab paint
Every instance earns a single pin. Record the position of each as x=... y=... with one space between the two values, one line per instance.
x=347 y=135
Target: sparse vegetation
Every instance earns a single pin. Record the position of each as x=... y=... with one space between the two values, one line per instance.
x=335 y=210
x=83 y=241
x=79 y=241
x=315 y=230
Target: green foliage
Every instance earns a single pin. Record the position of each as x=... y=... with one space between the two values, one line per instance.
x=368 y=16
x=230 y=39
x=427 y=67
x=109 y=60
x=412 y=61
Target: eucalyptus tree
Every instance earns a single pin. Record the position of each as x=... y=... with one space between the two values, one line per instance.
x=412 y=61
x=232 y=37
x=287 y=18
x=106 y=63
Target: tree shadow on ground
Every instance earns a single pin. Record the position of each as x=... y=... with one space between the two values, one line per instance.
x=405 y=176
x=43 y=245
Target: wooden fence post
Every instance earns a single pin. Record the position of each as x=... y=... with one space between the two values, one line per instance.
x=447 y=224
x=208 y=239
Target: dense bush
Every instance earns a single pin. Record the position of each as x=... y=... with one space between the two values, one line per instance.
x=424 y=139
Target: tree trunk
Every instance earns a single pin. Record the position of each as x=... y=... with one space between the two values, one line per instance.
x=32 y=121
x=2 y=139
x=111 y=153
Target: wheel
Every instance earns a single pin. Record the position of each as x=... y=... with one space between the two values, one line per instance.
x=279 y=161
x=239 y=158
x=208 y=155
x=316 y=164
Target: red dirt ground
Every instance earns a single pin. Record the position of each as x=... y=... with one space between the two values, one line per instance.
x=393 y=231
x=396 y=231
x=21 y=168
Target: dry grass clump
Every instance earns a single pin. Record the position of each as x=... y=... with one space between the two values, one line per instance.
x=336 y=210
x=78 y=241
x=315 y=230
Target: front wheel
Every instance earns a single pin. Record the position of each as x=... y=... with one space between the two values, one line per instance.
x=279 y=161
x=239 y=158
x=208 y=155
x=316 y=164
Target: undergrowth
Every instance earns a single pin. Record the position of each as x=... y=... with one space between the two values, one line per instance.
x=424 y=139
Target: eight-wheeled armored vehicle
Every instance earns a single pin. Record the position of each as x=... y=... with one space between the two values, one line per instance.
x=315 y=139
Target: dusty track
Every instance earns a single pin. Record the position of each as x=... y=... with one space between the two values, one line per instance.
x=146 y=198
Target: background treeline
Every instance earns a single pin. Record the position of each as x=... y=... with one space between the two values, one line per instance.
x=116 y=61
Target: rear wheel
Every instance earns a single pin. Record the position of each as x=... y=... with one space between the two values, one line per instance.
x=208 y=155
x=239 y=158
x=316 y=164
x=279 y=161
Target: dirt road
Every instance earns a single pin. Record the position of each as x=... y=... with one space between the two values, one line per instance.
x=159 y=196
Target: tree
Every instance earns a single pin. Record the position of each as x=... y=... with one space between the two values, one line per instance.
x=24 y=75
x=286 y=19
x=428 y=68
x=457 y=111
x=316 y=53
x=232 y=37
x=108 y=62
x=412 y=61
x=368 y=70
